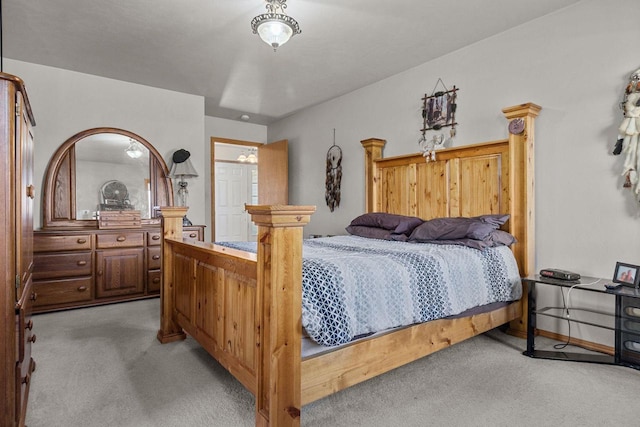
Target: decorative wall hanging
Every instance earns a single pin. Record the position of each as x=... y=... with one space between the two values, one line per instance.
x=334 y=175
x=629 y=129
x=438 y=111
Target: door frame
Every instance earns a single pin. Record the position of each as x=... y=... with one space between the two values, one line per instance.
x=212 y=177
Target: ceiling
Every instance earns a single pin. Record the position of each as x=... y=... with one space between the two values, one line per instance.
x=206 y=47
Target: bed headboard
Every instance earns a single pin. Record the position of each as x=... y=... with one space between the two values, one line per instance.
x=486 y=178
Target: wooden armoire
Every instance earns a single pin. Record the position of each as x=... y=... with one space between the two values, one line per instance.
x=17 y=195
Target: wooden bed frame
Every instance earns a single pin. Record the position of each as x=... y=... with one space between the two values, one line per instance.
x=245 y=309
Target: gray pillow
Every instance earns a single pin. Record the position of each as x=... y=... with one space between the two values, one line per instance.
x=398 y=224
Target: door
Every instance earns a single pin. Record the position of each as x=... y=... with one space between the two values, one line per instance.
x=25 y=194
x=234 y=186
x=119 y=272
x=273 y=173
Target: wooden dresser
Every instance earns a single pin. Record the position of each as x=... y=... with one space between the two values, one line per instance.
x=78 y=268
x=16 y=218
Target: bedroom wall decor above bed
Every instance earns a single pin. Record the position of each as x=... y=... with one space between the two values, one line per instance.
x=438 y=111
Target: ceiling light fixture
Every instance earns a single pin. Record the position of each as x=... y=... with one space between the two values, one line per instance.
x=275 y=27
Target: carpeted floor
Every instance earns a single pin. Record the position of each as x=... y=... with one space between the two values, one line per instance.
x=103 y=366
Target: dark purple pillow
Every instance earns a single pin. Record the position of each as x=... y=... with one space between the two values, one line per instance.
x=470 y=243
x=398 y=224
x=495 y=238
x=499 y=238
x=375 y=233
x=476 y=228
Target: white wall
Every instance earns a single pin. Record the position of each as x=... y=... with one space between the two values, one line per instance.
x=574 y=63
x=65 y=103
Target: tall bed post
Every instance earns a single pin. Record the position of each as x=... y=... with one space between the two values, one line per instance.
x=171 y=228
x=279 y=301
x=372 y=152
x=522 y=198
x=522 y=184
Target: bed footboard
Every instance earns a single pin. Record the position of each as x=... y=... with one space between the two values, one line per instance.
x=244 y=309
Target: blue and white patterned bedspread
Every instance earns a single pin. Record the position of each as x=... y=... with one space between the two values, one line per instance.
x=353 y=286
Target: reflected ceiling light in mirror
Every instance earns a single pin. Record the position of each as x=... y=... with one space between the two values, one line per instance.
x=275 y=27
x=133 y=150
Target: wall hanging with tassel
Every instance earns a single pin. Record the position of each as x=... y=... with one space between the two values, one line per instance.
x=334 y=175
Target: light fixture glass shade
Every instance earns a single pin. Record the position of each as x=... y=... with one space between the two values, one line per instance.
x=133 y=150
x=275 y=28
x=275 y=33
x=242 y=157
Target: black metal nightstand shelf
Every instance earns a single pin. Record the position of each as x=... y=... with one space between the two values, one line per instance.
x=625 y=322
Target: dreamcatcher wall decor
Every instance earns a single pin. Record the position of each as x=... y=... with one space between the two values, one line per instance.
x=629 y=134
x=334 y=175
x=438 y=111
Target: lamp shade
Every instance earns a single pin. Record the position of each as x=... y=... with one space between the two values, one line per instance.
x=183 y=170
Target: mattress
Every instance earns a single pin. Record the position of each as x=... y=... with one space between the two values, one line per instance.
x=354 y=287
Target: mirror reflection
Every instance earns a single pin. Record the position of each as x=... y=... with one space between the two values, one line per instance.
x=112 y=173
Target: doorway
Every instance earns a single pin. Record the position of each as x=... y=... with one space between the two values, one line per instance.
x=234 y=183
x=270 y=181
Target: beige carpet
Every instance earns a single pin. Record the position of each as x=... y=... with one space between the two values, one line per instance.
x=103 y=366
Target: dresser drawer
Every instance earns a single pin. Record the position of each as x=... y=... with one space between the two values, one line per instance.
x=154 y=279
x=120 y=240
x=52 y=243
x=50 y=266
x=154 y=261
x=154 y=238
x=65 y=291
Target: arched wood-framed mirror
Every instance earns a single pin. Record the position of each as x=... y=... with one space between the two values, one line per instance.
x=104 y=169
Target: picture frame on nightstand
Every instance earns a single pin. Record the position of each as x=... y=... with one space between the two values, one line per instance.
x=627 y=274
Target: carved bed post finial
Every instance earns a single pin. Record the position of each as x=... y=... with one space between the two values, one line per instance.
x=373 y=151
x=279 y=300
x=171 y=228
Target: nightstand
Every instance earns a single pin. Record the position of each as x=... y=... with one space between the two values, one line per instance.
x=625 y=323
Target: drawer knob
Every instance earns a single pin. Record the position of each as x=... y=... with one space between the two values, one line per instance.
x=32 y=338
x=82 y=288
x=155 y=257
x=121 y=238
x=29 y=325
x=25 y=380
x=193 y=235
x=156 y=280
x=81 y=263
x=155 y=237
x=34 y=296
x=81 y=241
